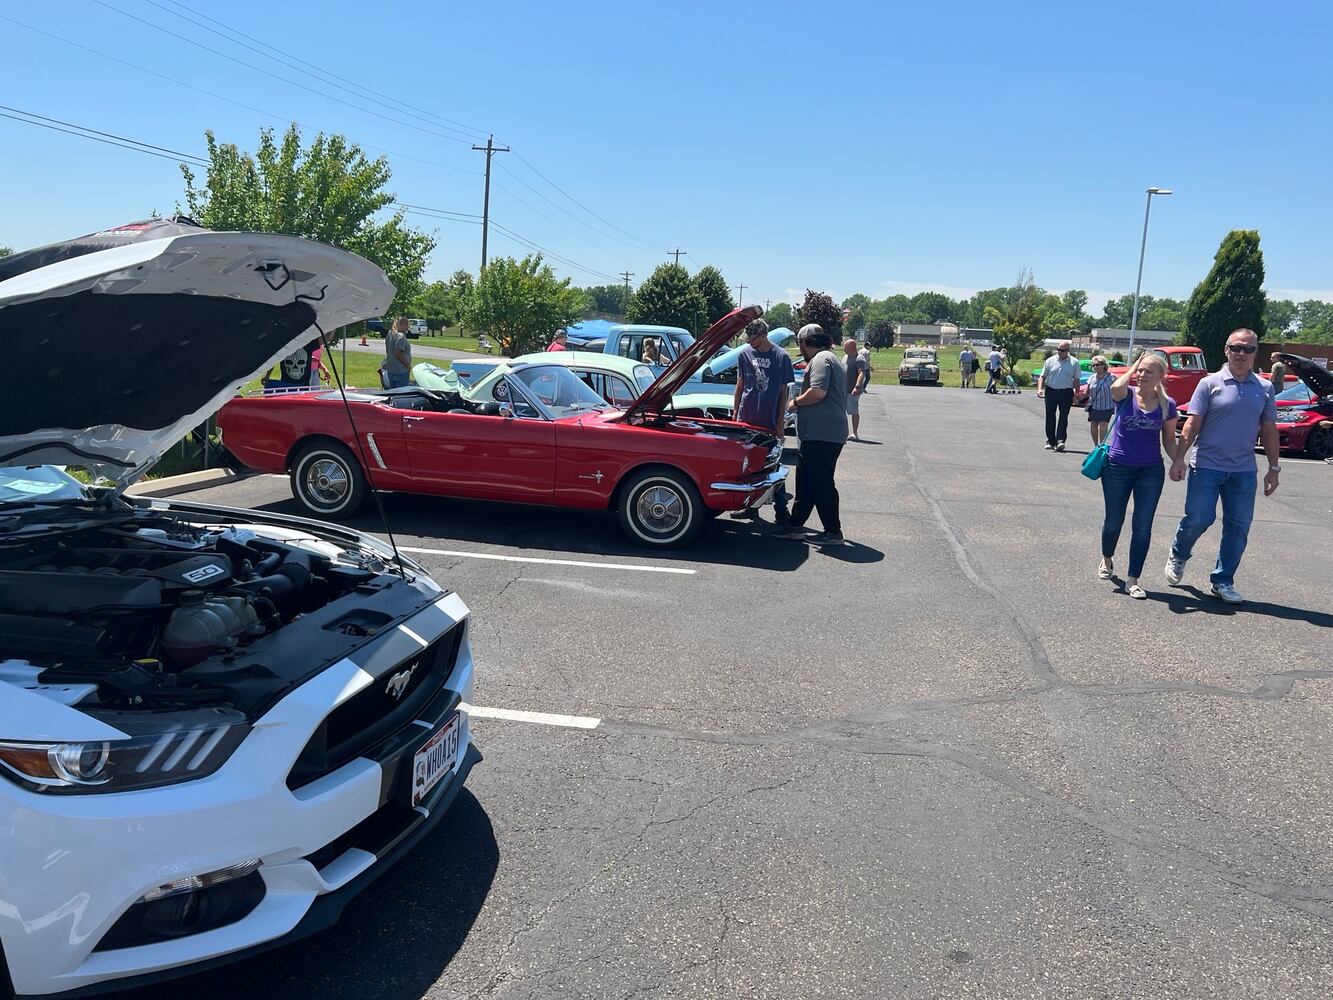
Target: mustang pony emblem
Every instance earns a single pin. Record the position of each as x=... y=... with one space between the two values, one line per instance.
x=398 y=682
x=596 y=477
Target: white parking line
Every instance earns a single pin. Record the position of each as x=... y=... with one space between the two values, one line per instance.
x=547 y=562
x=536 y=718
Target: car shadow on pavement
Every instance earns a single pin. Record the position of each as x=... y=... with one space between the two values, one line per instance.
x=1189 y=600
x=393 y=941
x=578 y=533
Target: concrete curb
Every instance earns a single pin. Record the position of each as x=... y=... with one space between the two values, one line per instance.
x=169 y=486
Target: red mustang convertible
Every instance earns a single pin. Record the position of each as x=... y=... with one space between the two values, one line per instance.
x=529 y=433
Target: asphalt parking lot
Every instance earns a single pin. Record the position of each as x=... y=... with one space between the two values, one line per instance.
x=943 y=761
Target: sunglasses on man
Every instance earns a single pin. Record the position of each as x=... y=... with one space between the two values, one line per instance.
x=1241 y=348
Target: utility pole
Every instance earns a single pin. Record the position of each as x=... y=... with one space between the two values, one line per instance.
x=740 y=296
x=676 y=253
x=766 y=302
x=490 y=149
x=627 y=275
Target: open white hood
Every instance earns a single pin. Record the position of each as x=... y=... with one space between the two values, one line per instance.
x=113 y=355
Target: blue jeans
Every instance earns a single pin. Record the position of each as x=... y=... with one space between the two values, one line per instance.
x=398 y=380
x=1204 y=488
x=1119 y=483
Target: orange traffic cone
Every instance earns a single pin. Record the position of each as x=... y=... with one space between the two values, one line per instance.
x=364 y=342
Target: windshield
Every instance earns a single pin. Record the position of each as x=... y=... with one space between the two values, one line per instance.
x=1296 y=394
x=559 y=391
x=38 y=483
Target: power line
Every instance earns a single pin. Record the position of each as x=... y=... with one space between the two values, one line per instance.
x=648 y=243
x=675 y=253
x=276 y=76
x=550 y=253
x=442 y=211
x=108 y=138
x=286 y=59
x=223 y=97
x=560 y=208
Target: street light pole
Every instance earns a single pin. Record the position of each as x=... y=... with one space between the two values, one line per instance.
x=1134 y=318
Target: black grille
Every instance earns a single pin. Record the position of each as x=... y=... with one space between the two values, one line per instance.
x=375 y=713
x=380 y=699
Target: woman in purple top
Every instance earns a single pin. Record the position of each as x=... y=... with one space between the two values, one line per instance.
x=1145 y=426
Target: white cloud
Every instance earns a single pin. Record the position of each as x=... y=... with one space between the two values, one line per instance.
x=1301 y=294
x=910 y=288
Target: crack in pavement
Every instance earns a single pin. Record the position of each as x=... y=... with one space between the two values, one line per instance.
x=841 y=735
x=504 y=976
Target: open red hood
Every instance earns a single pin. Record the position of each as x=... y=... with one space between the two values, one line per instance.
x=657 y=397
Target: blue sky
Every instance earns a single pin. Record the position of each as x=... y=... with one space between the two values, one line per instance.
x=842 y=146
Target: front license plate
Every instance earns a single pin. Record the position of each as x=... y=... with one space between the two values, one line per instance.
x=434 y=760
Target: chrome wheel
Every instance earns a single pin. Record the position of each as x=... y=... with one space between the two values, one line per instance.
x=661 y=510
x=327 y=482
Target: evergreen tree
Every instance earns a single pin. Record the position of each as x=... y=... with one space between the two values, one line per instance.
x=717 y=296
x=1231 y=297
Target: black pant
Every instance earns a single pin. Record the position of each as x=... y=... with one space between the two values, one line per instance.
x=1061 y=399
x=815 y=488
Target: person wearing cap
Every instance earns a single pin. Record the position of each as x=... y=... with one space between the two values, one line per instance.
x=763 y=372
x=821 y=425
x=558 y=342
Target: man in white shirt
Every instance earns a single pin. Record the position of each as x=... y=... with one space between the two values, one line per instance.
x=993 y=364
x=1057 y=381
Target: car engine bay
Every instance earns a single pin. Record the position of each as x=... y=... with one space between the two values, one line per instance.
x=153 y=611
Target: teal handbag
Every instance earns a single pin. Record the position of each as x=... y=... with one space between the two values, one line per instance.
x=1092 y=465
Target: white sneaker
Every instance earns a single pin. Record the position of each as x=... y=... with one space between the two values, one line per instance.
x=1137 y=592
x=1227 y=593
x=1175 y=571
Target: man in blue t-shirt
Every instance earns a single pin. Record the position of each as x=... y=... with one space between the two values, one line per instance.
x=763 y=372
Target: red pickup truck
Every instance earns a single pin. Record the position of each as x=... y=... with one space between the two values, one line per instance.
x=1185 y=368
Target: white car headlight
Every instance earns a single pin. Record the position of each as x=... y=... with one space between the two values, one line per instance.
x=182 y=746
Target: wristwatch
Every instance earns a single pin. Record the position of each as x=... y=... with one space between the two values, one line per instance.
x=1275 y=468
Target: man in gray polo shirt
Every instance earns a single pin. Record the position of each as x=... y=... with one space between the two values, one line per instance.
x=1229 y=409
x=1058 y=379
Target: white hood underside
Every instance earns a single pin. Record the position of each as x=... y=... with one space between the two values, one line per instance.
x=259 y=275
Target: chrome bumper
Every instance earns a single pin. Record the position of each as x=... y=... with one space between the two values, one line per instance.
x=768 y=482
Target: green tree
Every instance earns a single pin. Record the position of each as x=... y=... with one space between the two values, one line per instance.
x=1280 y=317
x=934 y=306
x=669 y=298
x=606 y=301
x=1230 y=297
x=779 y=316
x=522 y=303
x=329 y=191
x=1019 y=325
x=435 y=305
x=716 y=295
x=1075 y=302
x=1316 y=322
x=820 y=308
x=6 y=251
x=879 y=333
